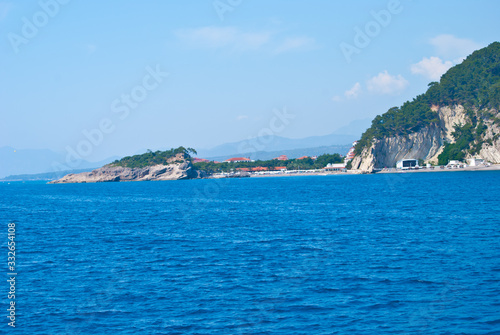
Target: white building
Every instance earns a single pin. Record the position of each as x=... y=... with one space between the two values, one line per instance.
x=455 y=164
x=335 y=167
x=350 y=155
x=476 y=161
x=406 y=164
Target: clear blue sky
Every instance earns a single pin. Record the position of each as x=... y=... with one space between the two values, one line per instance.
x=229 y=68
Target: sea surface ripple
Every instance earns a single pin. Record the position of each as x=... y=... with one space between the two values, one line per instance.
x=365 y=254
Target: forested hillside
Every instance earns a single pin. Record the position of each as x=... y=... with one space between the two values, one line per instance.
x=474 y=84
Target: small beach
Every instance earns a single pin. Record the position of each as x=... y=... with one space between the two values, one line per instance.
x=383 y=171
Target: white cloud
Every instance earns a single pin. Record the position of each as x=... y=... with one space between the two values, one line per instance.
x=235 y=39
x=88 y=48
x=5 y=7
x=242 y=117
x=452 y=47
x=219 y=37
x=385 y=83
x=450 y=50
x=336 y=98
x=353 y=92
x=294 y=43
x=253 y=40
x=91 y=48
x=432 y=68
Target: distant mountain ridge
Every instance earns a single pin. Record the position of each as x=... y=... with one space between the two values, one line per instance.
x=291 y=154
x=34 y=161
x=341 y=137
x=40 y=161
x=43 y=176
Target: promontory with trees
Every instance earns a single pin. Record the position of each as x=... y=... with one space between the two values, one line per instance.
x=178 y=163
x=457 y=118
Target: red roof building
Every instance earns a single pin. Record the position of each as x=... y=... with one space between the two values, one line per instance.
x=282 y=158
x=303 y=157
x=238 y=159
x=200 y=160
x=262 y=168
x=350 y=155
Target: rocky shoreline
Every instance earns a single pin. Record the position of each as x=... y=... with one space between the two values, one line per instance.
x=109 y=173
x=429 y=142
x=185 y=170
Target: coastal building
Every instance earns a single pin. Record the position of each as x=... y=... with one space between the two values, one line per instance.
x=335 y=167
x=238 y=160
x=282 y=158
x=453 y=164
x=406 y=164
x=200 y=160
x=476 y=161
x=262 y=168
x=303 y=157
x=350 y=155
x=259 y=168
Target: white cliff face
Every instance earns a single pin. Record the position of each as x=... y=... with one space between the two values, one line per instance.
x=491 y=152
x=449 y=117
x=365 y=161
x=428 y=143
x=385 y=153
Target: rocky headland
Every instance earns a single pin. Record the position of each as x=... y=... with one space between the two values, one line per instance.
x=457 y=118
x=429 y=142
x=174 y=165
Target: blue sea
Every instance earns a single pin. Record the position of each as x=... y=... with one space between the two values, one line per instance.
x=415 y=253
